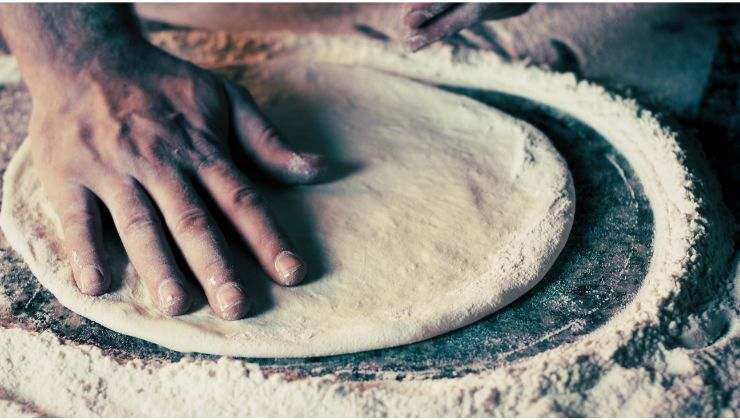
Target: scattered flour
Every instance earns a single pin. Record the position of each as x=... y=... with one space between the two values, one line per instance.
x=672 y=351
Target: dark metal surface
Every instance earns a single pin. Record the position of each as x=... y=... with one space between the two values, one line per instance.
x=597 y=274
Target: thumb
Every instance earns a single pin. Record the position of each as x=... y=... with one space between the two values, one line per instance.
x=262 y=143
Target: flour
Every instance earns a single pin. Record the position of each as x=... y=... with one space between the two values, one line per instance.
x=635 y=365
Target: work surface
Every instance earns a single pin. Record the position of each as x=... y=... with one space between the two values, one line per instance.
x=600 y=271
x=596 y=275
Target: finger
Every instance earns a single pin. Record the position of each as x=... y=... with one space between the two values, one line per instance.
x=260 y=140
x=241 y=202
x=417 y=14
x=450 y=23
x=201 y=243
x=83 y=238
x=146 y=245
x=459 y=18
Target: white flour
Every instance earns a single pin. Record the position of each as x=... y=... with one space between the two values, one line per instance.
x=673 y=350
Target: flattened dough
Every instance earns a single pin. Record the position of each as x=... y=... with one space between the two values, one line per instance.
x=450 y=211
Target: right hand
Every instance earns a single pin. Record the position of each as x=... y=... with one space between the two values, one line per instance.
x=138 y=139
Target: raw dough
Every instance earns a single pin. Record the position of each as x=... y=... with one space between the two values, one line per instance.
x=450 y=211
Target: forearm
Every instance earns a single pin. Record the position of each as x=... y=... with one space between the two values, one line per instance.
x=64 y=39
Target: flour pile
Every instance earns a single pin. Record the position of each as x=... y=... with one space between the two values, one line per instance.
x=673 y=350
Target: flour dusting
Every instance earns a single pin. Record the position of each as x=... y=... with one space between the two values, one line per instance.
x=672 y=351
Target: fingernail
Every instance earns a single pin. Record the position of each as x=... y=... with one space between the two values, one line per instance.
x=290 y=268
x=231 y=301
x=91 y=281
x=172 y=298
x=414 y=43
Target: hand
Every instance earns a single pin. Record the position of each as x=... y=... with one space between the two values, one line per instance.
x=138 y=138
x=427 y=23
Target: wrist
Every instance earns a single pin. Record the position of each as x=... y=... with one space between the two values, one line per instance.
x=61 y=41
x=100 y=55
x=115 y=58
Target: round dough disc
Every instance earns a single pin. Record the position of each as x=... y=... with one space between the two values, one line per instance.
x=447 y=211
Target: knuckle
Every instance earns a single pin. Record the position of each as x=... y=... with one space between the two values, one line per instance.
x=268 y=137
x=207 y=155
x=152 y=171
x=153 y=162
x=245 y=197
x=136 y=223
x=190 y=221
x=218 y=272
x=205 y=161
x=144 y=142
x=76 y=218
x=155 y=152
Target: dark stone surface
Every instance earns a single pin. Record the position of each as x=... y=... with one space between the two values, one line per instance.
x=596 y=275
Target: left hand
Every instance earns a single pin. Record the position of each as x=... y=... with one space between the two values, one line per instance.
x=427 y=23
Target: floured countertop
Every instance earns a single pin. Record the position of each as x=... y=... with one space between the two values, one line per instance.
x=603 y=334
